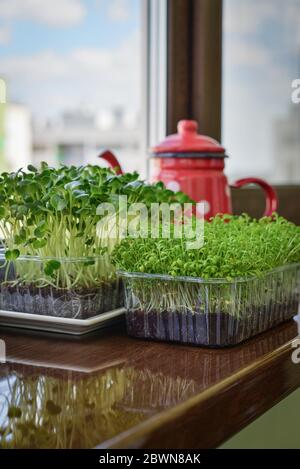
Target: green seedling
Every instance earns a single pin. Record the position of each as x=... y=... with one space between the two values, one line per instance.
x=234 y=271
x=48 y=221
x=234 y=247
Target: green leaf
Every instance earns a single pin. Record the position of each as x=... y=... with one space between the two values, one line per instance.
x=20 y=211
x=72 y=185
x=2 y=212
x=51 y=266
x=40 y=230
x=11 y=255
x=58 y=203
x=89 y=262
x=14 y=412
x=52 y=408
x=181 y=197
x=21 y=237
x=80 y=194
x=39 y=243
x=44 y=166
x=31 y=168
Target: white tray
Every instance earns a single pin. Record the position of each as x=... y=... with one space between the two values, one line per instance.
x=60 y=325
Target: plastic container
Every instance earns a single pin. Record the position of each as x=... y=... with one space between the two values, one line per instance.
x=75 y=288
x=214 y=313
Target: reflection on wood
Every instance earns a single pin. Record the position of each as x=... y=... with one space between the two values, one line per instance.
x=42 y=411
x=134 y=393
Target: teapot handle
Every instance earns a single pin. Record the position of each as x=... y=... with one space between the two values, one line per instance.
x=270 y=194
x=111 y=160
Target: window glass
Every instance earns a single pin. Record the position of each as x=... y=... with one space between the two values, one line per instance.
x=72 y=75
x=261 y=60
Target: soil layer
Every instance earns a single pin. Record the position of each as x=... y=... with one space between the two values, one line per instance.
x=212 y=329
x=78 y=303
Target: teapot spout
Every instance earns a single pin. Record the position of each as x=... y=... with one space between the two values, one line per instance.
x=111 y=159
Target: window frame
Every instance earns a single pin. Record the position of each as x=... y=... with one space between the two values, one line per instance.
x=192 y=54
x=194 y=79
x=154 y=71
x=182 y=67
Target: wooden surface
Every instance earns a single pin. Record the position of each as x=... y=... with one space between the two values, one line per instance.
x=110 y=390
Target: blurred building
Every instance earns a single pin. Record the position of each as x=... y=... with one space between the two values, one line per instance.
x=2 y=137
x=15 y=133
x=77 y=137
x=15 y=137
x=18 y=136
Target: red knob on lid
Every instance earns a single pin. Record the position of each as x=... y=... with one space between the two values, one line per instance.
x=186 y=126
x=187 y=140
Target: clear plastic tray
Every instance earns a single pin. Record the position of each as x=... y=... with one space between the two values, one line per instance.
x=215 y=313
x=75 y=289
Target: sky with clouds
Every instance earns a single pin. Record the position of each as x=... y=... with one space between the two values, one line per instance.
x=261 y=58
x=68 y=54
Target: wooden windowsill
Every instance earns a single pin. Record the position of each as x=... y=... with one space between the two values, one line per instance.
x=159 y=395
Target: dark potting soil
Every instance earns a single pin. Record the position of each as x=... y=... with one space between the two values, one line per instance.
x=212 y=329
x=79 y=303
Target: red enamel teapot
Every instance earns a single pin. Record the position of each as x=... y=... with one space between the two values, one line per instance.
x=194 y=164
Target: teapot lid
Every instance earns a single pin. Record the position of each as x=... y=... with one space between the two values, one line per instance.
x=187 y=140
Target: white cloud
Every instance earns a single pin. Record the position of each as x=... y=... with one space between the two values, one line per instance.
x=5 y=35
x=50 y=82
x=53 y=13
x=245 y=53
x=261 y=35
x=251 y=16
x=261 y=56
x=118 y=10
x=247 y=17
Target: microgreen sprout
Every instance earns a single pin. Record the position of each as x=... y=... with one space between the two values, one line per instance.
x=51 y=214
x=234 y=272
x=234 y=247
